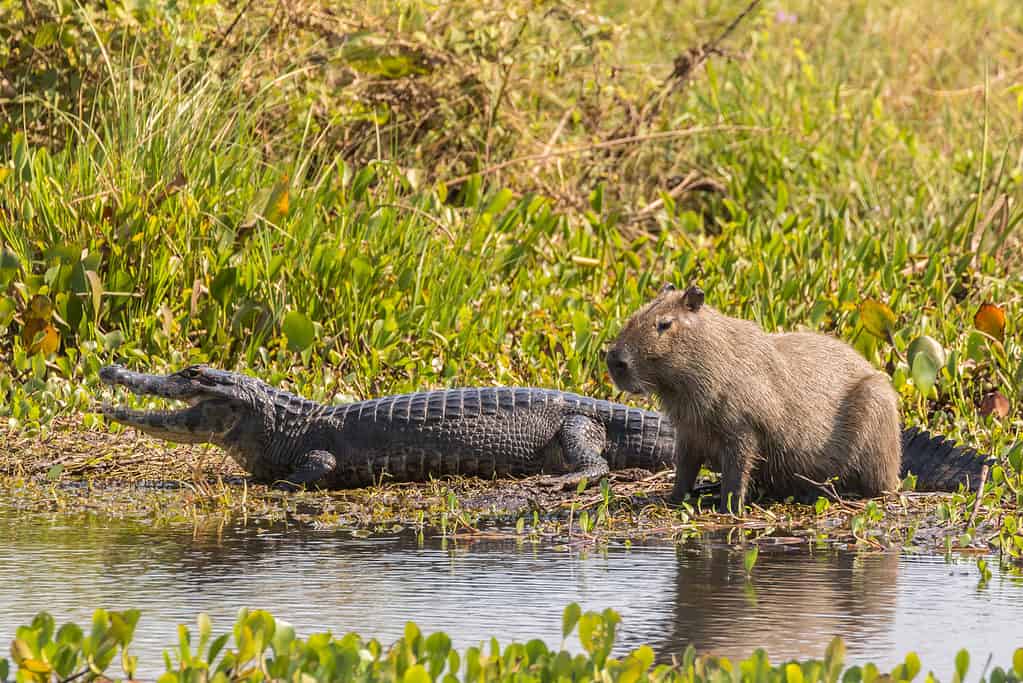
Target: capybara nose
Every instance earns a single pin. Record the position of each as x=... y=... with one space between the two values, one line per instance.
x=617 y=363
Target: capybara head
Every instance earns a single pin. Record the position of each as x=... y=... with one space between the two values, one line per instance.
x=650 y=351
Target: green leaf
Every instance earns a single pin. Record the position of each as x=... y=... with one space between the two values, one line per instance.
x=417 y=674
x=569 y=618
x=1017 y=662
x=911 y=666
x=589 y=626
x=216 y=646
x=299 y=330
x=112 y=340
x=53 y=474
x=962 y=664
x=750 y=559
x=7 y=310
x=46 y=35
x=284 y=634
x=223 y=285
x=926 y=357
x=877 y=318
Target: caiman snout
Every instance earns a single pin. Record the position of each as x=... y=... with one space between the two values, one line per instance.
x=212 y=413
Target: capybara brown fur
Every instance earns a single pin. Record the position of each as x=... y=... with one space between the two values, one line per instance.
x=786 y=412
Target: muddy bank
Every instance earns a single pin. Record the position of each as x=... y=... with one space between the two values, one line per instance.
x=71 y=469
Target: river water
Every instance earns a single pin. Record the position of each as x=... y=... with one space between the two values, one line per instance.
x=882 y=604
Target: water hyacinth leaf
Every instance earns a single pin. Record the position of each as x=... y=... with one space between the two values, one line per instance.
x=877 y=318
x=20 y=651
x=990 y=319
x=205 y=629
x=223 y=285
x=36 y=666
x=299 y=330
x=852 y=675
x=569 y=618
x=7 y=310
x=962 y=664
x=911 y=666
x=112 y=340
x=216 y=646
x=9 y=266
x=70 y=634
x=926 y=357
x=589 y=631
x=1015 y=457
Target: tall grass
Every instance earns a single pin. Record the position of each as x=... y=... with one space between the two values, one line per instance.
x=172 y=227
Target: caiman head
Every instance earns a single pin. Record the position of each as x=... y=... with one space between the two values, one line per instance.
x=224 y=407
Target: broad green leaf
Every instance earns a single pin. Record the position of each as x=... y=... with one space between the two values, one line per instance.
x=223 y=285
x=1017 y=662
x=877 y=318
x=299 y=330
x=417 y=674
x=569 y=618
x=962 y=664
x=926 y=357
x=911 y=666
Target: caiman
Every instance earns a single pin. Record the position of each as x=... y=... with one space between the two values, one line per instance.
x=283 y=439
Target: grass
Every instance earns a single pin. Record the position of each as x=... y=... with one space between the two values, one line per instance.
x=447 y=199
x=260 y=647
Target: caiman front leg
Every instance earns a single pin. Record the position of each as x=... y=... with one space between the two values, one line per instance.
x=582 y=445
x=310 y=468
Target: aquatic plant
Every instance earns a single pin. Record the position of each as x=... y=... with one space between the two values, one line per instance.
x=262 y=648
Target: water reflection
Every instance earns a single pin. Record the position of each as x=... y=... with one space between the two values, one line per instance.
x=882 y=604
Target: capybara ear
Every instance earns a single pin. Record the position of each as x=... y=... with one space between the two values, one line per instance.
x=667 y=287
x=693 y=298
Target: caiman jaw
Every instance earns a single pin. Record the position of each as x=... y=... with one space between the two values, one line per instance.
x=207 y=420
x=179 y=426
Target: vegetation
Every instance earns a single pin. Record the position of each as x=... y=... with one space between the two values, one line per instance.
x=260 y=648
x=361 y=201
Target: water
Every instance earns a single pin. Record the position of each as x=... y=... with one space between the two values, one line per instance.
x=882 y=604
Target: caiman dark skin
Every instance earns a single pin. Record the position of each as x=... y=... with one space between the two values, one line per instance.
x=281 y=438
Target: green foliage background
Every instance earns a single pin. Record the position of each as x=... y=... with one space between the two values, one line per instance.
x=389 y=196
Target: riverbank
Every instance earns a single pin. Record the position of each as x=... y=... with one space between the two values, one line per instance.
x=73 y=469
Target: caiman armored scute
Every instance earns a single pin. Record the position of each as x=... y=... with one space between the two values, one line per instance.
x=281 y=438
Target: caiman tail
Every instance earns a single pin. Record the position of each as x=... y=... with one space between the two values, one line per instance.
x=940 y=464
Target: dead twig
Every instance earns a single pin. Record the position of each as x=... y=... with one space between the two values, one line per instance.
x=980 y=496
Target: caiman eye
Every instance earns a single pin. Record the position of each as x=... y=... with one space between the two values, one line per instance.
x=191 y=373
x=664 y=324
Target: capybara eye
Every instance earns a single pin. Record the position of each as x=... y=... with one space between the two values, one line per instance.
x=664 y=324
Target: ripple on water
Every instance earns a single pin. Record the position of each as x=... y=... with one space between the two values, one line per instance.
x=882 y=604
